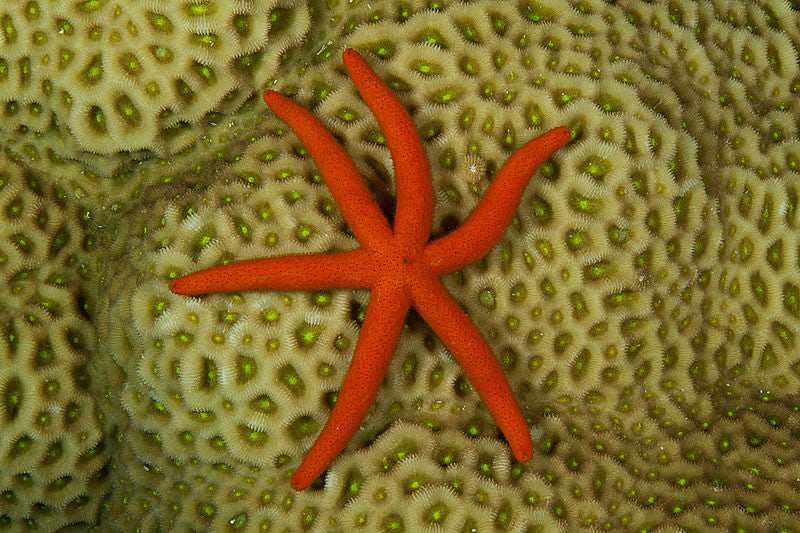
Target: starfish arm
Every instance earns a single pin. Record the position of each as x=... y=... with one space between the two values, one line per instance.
x=486 y=225
x=465 y=342
x=341 y=175
x=311 y=271
x=414 y=212
x=388 y=305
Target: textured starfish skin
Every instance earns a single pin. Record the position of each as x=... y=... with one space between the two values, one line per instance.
x=399 y=265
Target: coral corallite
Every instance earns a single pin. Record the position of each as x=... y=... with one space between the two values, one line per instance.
x=644 y=302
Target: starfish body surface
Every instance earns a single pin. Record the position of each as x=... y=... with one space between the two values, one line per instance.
x=399 y=266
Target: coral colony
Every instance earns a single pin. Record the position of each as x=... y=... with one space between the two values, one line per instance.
x=641 y=304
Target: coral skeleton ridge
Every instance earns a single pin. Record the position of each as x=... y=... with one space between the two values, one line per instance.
x=644 y=302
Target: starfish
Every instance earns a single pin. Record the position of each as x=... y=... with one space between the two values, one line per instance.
x=399 y=265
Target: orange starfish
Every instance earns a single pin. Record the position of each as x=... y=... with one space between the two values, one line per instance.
x=400 y=266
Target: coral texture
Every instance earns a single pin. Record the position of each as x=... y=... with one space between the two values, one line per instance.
x=101 y=77
x=645 y=303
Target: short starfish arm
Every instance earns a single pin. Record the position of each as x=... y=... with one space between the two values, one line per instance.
x=340 y=173
x=310 y=272
x=386 y=311
x=486 y=225
x=414 y=212
x=465 y=342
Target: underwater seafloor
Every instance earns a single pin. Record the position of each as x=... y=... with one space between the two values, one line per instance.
x=644 y=302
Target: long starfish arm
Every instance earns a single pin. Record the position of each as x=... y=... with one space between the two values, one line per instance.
x=310 y=272
x=387 y=308
x=414 y=212
x=486 y=225
x=465 y=342
x=341 y=175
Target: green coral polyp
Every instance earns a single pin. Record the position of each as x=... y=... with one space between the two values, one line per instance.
x=97 y=120
x=88 y=6
x=541 y=210
x=775 y=255
x=303 y=232
x=263 y=404
x=303 y=427
x=13 y=396
x=584 y=204
x=252 y=437
x=427 y=68
x=436 y=513
x=159 y=22
x=93 y=72
x=791 y=298
x=487 y=298
x=596 y=167
x=307 y=335
x=393 y=522
x=431 y=36
x=468 y=30
x=208 y=376
x=128 y=111
x=292 y=380
x=759 y=288
x=384 y=49
x=200 y=9
x=577 y=240
x=242 y=25
x=599 y=270
x=183 y=89
x=446 y=96
x=347 y=114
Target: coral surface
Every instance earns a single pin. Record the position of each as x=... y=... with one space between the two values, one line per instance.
x=105 y=77
x=645 y=302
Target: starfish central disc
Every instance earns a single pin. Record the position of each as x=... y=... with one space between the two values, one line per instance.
x=398 y=265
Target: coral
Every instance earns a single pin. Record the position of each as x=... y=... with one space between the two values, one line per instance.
x=99 y=77
x=644 y=303
x=54 y=436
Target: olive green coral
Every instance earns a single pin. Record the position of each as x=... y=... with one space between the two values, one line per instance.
x=102 y=77
x=53 y=435
x=644 y=302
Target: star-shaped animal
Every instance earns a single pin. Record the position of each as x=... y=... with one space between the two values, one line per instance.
x=399 y=265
